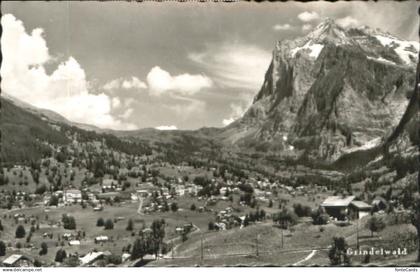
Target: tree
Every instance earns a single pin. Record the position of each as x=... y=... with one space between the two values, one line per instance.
x=109 y=224
x=211 y=225
x=139 y=249
x=60 y=255
x=20 y=232
x=129 y=225
x=174 y=206
x=53 y=200
x=338 y=252
x=285 y=218
x=44 y=249
x=71 y=261
x=375 y=224
x=193 y=207
x=184 y=236
x=114 y=259
x=100 y=222
x=68 y=222
x=302 y=210
x=2 y=248
x=320 y=217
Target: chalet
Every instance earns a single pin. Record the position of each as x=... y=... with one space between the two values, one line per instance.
x=17 y=260
x=337 y=206
x=91 y=257
x=72 y=196
x=109 y=185
x=74 y=243
x=67 y=236
x=180 y=190
x=125 y=256
x=143 y=193
x=179 y=229
x=101 y=239
x=359 y=209
x=379 y=203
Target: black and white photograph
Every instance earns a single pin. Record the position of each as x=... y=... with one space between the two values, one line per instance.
x=209 y=134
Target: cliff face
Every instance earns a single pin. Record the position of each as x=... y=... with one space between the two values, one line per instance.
x=329 y=93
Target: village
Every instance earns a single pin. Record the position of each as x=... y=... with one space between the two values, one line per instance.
x=88 y=205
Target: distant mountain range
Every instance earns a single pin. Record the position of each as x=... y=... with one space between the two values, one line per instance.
x=330 y=94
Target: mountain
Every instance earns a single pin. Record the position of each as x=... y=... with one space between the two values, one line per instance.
x=26 y=136
x=332 y=92
x=49 y=115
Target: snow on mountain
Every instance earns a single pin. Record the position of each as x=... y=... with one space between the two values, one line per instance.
x=406 y=50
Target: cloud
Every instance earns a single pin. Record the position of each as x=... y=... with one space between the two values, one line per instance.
x=308 y=16
x=306 y=27
x=237 y=111
x=282 y=27
x=160 y=81
x=116 y=102
x=234 y=64
x=65 y=91
x=120 y=83
x=166 y=127
x=127 y=113
x=347 y=21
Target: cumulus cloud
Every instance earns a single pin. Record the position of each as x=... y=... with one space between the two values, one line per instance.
x=347 y=21
x=116 y=102
x=65 y=91
x=172 y=127
x=307 y=16
x=237 y=111
x=120 y=83
x=279 y=27
x=127 y=113
x=306 y=27
x=161 y=81
x=234 y=64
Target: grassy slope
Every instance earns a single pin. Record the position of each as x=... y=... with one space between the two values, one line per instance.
x=19 y=133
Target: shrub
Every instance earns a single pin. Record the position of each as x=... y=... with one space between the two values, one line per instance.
x=320 y=217
x=20 y=232
x=338 y=252
x=100 y=222
x=109 y=224
x=302 y=210
x=375 y=224
x=2 y=248
x=44 y=249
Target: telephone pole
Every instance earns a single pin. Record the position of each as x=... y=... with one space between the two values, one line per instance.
x=282 y=238
x=257 y=253
x=357 y=234
x=202 y=249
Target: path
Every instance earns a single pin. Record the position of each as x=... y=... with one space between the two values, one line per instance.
x=306 y=258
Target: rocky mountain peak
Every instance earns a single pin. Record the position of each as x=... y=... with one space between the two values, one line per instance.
x=330 y=92
x=328 y=31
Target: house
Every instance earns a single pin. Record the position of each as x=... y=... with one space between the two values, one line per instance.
x=17 y=260
x=379 y=203
x=143 y=193
x=109 y=185
x=359 y=209
x=91 y=257
x=125 y=256
x=101 y=238
x=74 y=243
x=180 y=190
x=337 y=206
x=72 y=196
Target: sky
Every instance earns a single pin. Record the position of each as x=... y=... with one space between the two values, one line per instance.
x=168 y=65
